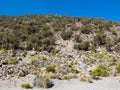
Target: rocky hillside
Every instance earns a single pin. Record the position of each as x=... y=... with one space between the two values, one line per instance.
x=59 y=47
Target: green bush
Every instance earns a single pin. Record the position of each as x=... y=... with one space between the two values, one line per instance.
x=51 y=68
x=66 y=35
x=101 y=70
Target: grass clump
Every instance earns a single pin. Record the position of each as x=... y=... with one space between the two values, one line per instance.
x=12 y=61
x=65 y=77
x=51 y=68
x=2 y=51
x=118 y=67
x=10 y=72
x=73 y=70
x=101 y=70
x=26 y=85
x=69 y=76
x=34 y=58
x=56 y=53
x=89 y=79
x=83 y=78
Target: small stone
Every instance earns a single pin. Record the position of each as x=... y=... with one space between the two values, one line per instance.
x=19 y=58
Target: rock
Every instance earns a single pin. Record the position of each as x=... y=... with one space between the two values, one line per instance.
x=70 y=56
x=97 y=78
x=43 y=82
x=19 y=58
x=63 y=70
x=47 y=83
x=0 y=64
x=33 y=53
x=5 y=62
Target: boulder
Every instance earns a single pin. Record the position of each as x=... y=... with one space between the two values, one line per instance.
x=43 y=82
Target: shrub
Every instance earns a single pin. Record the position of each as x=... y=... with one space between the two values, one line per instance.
x=77 y=46
x=51 y=68
x=82 y=46
x=86 y=30
x=85 y=45
x=101 y=70
x=78 y=39
x=99 y=39
x=66 y=35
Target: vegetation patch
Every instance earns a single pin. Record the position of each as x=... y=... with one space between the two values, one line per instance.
x=82 y=46
x=51 y=68
x=12 y=61
x=26 y=85
x=10 y=72
x=101 y=70
x=34 y=58
x=86 y=29
x=118 y=67
x=66 y=35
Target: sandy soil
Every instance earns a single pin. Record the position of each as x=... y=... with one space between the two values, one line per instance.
x=73 y=84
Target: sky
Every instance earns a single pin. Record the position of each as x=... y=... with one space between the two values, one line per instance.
x=106 y=9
